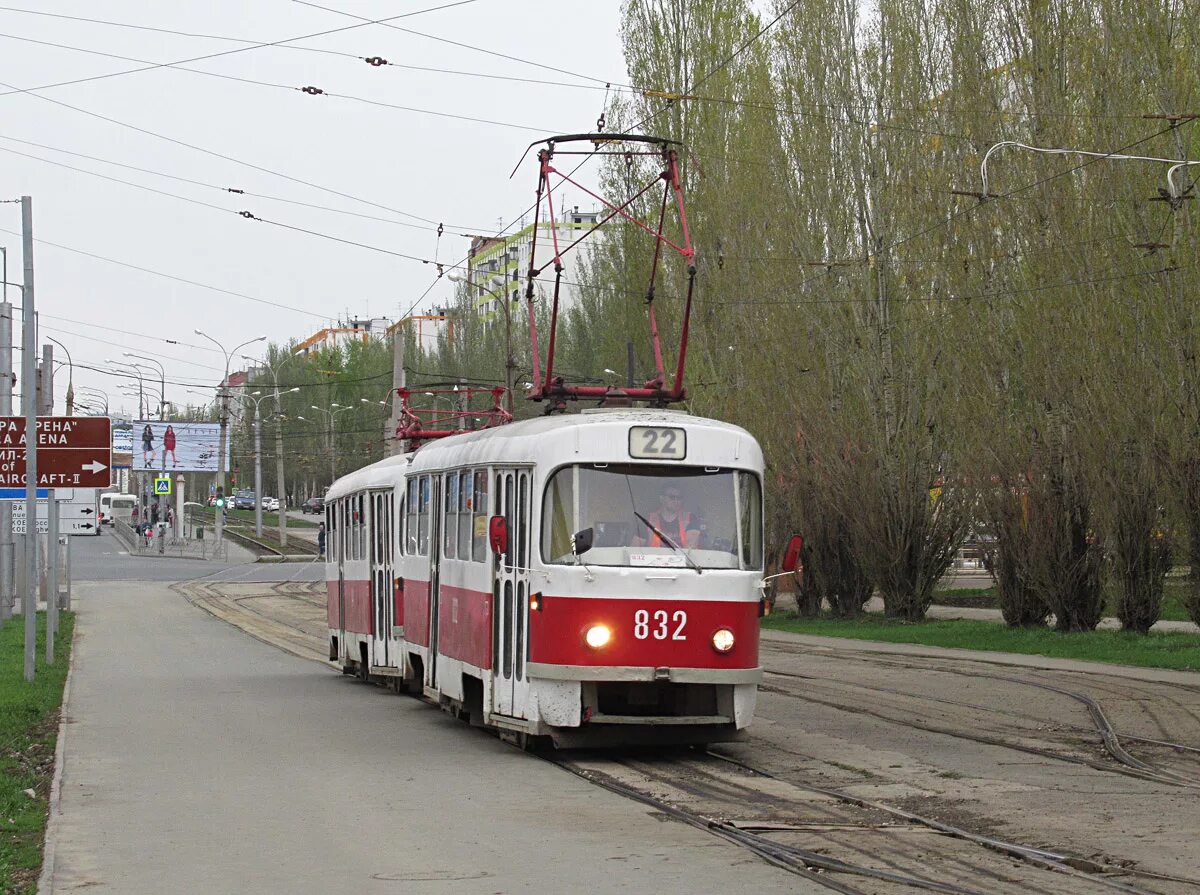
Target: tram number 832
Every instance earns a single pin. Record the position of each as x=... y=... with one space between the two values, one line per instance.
x=659 y=625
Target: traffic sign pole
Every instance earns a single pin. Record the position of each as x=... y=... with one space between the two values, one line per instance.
x=29 y=402
x=51 y=515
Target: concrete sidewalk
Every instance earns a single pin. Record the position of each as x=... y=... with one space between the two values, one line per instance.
x=199 y=760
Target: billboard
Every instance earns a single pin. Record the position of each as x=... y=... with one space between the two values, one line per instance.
x=176 y=447
x=122 y=445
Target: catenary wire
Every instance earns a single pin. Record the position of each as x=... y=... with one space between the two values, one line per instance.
x=243 y=49
x=315 y=91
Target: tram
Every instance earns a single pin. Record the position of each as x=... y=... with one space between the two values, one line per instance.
x=593 y=578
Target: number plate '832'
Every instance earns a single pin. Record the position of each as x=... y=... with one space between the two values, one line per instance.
x=657 y=443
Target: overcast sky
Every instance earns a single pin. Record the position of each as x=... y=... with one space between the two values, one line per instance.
x=407 y=163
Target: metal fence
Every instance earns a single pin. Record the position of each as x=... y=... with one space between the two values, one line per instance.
x=142 y=541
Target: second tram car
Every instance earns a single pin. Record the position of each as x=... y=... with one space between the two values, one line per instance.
x=592 y=578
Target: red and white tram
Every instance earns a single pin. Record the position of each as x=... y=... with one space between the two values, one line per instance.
x=592 y=578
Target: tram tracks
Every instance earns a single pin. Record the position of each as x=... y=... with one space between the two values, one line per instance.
x=830 y=836
x=834 y=838
x=1123 y=762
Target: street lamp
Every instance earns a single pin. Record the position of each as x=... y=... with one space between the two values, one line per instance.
x=279 y=467
x=162 y=406
x=70 y=376
x=257 y=402
x=330 y=414
x=509 y=363
x=219 y=528
x=96 y=395
x=137 y=374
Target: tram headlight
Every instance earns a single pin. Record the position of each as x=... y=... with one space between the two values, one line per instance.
x=597 y=636
x=722 y=640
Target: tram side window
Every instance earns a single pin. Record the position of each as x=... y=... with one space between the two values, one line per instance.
x=749 y=514
x=410 y=518
x=465 y=495
x=362 y=527
x=450 y=519
x=480 y=535
x=351 y=530
x=424 y=495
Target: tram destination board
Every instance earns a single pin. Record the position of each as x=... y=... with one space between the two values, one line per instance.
x=72 y=452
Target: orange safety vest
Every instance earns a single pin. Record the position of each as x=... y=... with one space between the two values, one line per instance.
x=683 y=521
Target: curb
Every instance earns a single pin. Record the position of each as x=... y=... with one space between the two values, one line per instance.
x=45 y=884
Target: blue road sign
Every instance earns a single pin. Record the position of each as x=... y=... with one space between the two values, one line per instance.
x=19 y=493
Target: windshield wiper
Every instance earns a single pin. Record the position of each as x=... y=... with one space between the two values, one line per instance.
x=650 y=525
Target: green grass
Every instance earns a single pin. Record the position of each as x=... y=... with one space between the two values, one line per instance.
x=28 y=732
x=247 y=517
x=1174 y=594
x=1156 y=650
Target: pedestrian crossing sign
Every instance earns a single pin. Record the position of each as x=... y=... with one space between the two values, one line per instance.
x=162 y=484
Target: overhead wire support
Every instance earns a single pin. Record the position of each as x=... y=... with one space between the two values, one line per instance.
x=552 y=389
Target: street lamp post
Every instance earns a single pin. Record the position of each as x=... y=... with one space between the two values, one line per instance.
x=279 y=468
x=330 y=414
x=257 y=402
x=219 y=528
x=95 y=394
x=70 y=376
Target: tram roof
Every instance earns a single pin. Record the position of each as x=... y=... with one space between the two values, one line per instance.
x=556 y=439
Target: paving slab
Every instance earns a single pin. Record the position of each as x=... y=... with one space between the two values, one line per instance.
x=197 y=759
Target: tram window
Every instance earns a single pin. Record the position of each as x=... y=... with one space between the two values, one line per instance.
x=410 y=519
x=465 y=495
x=750 y=516
x=523 y=520
x=480 y=540
x=450 y=519
x=508 y=512
x=362 y=527
x=520 y=645
x=423 y=495
x=696 y=508
x=507 y=629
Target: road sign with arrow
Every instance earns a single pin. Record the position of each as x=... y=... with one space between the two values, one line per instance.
x=72 y=452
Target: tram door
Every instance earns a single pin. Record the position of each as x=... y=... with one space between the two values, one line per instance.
x=510 y=595
x=381 y=559
x=333 y=544
x=436 y=522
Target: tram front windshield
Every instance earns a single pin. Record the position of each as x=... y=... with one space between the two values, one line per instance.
x=654 y=516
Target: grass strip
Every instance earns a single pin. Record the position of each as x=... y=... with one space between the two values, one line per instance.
x=1178 y=650
x=1174 y=607
x=28 y=733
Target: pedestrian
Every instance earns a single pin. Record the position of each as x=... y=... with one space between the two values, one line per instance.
x=169 y=448
x=321 y=539
x=154 y=515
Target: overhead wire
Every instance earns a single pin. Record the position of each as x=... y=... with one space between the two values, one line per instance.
x=243 y=49
x=232 y=190
x=178 y=279
x=306 y=89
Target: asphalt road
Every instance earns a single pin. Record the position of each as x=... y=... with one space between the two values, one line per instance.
x=105 y=558
x=200 y=760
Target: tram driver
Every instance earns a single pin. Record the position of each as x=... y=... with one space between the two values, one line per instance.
x=679 y=525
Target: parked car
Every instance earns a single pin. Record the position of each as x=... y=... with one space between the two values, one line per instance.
x=314 y=505
x=244 y=500
x=270 y=504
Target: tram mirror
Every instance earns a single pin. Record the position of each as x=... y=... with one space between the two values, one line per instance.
x=791 y=556
x=498 y=534
x=581 y=541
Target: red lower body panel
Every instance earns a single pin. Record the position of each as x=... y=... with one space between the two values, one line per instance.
x=465 y=625
x=656 y=633
x=416 y=612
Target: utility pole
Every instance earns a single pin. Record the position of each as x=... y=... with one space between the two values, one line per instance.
x=29 y=402
x=51 y=514
x=7 y=567
x=258 y=495
x=396 y=446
